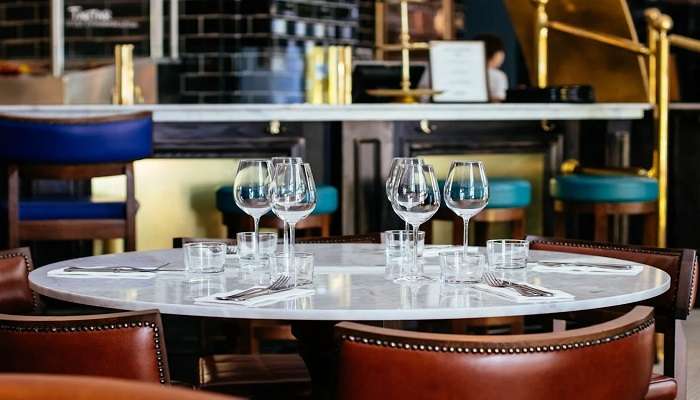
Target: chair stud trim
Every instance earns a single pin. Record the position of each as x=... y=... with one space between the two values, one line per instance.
x=631 y=250
x=103 y=327
x=502 y=348
x=30 y=268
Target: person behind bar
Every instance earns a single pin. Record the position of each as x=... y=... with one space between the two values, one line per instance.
x=495 y=55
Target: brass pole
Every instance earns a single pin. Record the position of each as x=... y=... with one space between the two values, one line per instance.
x=540 y=37
x=663 y=25
x=651 y=15
x=685 y=42
x=604 y=38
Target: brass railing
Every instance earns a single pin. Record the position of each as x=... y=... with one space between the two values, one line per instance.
x=656 y=52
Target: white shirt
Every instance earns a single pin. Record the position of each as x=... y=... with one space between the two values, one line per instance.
x=498 y=84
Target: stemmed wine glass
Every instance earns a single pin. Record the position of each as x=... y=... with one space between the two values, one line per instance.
x=416 y=198
x=292 y=195
x=466 y=192
x=394 y=169
x=285 y=228
x=251 y=191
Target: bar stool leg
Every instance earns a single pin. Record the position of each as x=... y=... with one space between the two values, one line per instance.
x=325 y=225
x=650 y=231
x=519 y=227
x=600 y=223
x=560 y=225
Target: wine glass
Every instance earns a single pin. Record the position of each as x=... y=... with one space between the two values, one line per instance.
x=292 y=195
x=466 y=192
x=285 y=229
x=416 y=198
x=251 y=191
x=396 y=163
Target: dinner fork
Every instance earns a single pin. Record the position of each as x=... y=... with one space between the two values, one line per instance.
x=525 y=290
x=117 y=269
x=280 y=282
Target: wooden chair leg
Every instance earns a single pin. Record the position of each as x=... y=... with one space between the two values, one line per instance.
x=560 y=225
x=457 y=231
x=650 y=229
x=428 y=229
x=600 y=223
x=519 y=227
x=325 y=225
x=12 y=206
x=131 y=209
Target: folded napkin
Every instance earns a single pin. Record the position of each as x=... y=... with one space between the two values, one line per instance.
x=61 y=273
x=259 y=301
x=583 y=269
x=513 y=295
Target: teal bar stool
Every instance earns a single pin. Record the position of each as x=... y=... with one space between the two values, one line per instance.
x=508 y=201
x=237 y=221
x=605 y=196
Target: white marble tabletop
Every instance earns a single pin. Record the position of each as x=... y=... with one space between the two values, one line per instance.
x=350 y=285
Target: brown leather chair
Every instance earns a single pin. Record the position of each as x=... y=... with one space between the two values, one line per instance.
x=671 y=308
x=122 y=345
x=64 y=387
x=15 y=295
x=612 y=360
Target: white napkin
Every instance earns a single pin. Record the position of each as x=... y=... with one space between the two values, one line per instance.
x=512 y=294
x=61 y=273
x=259 y=301
x=585 y=269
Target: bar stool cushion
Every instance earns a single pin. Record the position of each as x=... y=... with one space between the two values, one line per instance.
x=506 y=192
x=116 y=138
x=604 y=189
x=326 y=202
x=41 y=210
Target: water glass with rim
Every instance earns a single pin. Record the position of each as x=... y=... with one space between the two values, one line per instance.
x=507 y=253
x=460 y=267
x=300 y=268
x=204 y=257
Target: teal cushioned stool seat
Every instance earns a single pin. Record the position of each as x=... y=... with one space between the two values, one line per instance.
x=326 y=201
x=506 y=192
x=604 y=189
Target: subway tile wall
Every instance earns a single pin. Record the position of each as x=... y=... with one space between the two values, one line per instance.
x=231 y=51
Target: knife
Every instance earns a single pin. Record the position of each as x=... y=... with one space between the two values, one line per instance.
x=585 y=264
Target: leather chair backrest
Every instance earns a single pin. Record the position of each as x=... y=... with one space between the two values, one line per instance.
x=680 y=264
x=612 y=360
x=89 y=140
x=63 y=387
x=122 y=345
x=15 y=295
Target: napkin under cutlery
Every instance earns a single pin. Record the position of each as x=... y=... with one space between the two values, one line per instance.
x=258 y=301
x=582 y=268
x=513 y=295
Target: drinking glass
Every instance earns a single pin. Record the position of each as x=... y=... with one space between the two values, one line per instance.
x=416 y=199
x=251 y=191
x=466 y=192
x=300 y=268
x=285 y=228
x=204 y=257
x=293 y=195
x=507 y=253
x=394 y=169
x=460 y=267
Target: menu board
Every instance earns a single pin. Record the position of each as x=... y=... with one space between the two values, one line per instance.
x=458 y=69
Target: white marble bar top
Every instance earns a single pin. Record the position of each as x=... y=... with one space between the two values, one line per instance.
x=349 y=284
x=353 y=112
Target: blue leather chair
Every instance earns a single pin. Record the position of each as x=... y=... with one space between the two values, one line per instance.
x=604 y=196
x=508 y=201
x=237 y=221
x=72 y=149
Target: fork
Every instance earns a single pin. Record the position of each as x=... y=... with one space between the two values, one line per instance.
x=525 y=290
x=118 y=269
x=264 y=293
x=280 y=282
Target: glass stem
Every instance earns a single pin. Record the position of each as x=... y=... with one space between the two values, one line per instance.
x=465 y=235
x=406 y=227
x=291 y=264
x=285 y=243
x=256 y=236
x=414 y=255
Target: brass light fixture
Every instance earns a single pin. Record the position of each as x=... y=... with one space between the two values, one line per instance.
x=405 y=94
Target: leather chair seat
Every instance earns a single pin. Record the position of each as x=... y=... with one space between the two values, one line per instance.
x=249 y=373
x=604 y=189
x=506 y=192
x=41 y=210
x=326 y=200
x=661 y=388
x=72 y=141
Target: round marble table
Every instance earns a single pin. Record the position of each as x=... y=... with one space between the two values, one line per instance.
x=350 y=285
